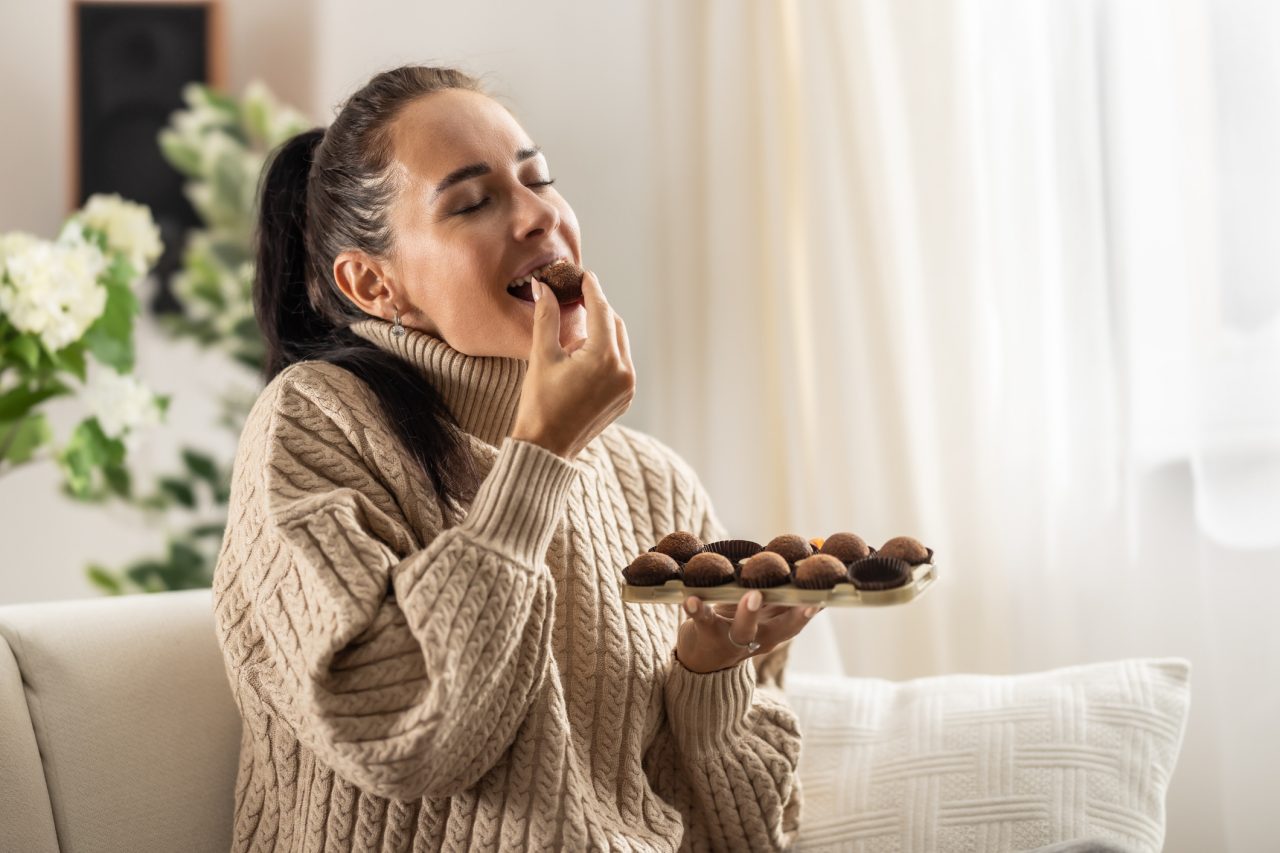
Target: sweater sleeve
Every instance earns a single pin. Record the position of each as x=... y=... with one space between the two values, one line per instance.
x=407 y=669
x=727 y=760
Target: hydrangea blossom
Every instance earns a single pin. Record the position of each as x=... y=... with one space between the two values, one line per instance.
x=121 y=403
x=52 y=289
x=14 y=242
x=129 y=228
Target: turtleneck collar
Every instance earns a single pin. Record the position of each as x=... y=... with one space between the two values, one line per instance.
x=481 y=391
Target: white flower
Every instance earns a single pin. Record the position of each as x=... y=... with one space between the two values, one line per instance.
x=120 y=402
x=53 y=290
x=213 y=147
x=14 y=242
x=129 y=228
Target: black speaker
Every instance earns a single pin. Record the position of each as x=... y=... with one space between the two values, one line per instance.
x=132 y=61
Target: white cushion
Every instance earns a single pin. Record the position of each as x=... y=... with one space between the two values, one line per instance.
x=137 y=732
x=990 y=763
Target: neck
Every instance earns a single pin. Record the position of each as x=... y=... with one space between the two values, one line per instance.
x=482 y=392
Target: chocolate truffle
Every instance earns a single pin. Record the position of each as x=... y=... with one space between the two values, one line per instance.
x=680 y=546
x=792 y=548
x=879 y=573
x=763 y=570
x=708 y=569
x=651 y=569
x=905 y=548
x=821 y=571
x=564 y=277
x=845 y=547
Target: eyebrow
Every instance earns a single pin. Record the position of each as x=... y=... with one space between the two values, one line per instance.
x=475 y=170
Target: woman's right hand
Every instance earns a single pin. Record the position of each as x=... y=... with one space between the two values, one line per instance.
x=570 y=396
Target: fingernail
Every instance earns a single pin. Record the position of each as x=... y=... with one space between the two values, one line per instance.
x=537 y=290
x=809 y=612
x=691 y=606
x=754 y=600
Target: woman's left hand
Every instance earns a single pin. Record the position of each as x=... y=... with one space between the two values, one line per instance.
x=704 y=642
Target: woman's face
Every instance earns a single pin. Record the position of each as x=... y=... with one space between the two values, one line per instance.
x=460 y=239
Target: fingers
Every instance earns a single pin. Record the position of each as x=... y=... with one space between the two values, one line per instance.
x=546 y=322
x=698 y=611
x=601 y=332
x=624 y=344
x=747 y=619
x=776 y=628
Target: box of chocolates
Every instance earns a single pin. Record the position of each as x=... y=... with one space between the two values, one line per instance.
x=840 y=570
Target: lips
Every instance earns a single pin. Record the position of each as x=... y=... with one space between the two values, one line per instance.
x=525 y=294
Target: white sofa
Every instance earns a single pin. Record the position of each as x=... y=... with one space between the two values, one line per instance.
x=118 y=733
x=117 y=727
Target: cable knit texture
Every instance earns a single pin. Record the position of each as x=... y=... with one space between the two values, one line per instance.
x=407 y=684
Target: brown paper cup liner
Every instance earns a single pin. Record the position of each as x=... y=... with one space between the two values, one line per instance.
x=873 y=573
x=735 y=549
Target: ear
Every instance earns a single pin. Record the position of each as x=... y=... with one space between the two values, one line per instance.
x=363 y=279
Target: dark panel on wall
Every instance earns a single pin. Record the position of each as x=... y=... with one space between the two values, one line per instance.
x=133 y=60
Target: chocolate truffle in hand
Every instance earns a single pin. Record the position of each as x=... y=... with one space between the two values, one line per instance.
x=845 y=547
x=821 y=571
x=651 y=569
x=905 y=548
x=564 y=277
x=792 y=548
x=708 y=569
x=680 y=546
x=879 y=573
x=764 y=570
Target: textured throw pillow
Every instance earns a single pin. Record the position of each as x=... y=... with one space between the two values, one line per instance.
x=990 y=763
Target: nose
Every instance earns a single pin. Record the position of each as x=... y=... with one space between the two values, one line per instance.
x=535 y=214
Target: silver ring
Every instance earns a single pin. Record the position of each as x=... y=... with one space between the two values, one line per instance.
x=751 y=647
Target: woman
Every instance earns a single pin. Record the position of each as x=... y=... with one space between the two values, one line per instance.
x=418 y=595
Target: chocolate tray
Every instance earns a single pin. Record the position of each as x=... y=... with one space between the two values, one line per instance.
x=841 y=595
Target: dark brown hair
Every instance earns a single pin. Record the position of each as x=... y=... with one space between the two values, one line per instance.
x=326 y=191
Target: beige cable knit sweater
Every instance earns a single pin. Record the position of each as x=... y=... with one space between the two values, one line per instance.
x=407 y=686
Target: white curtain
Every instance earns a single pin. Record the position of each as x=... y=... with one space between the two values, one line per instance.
x=954 y=270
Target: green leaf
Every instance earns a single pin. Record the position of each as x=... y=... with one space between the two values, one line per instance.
x=20 y=439
x=201 y=465
x=110 y=338
x=27 y=347
x=119 y=480
x=182 y=555
x=179 y=490
x=181 y=156
x=203 y=530
x=146 y=574
x=87 y=449
x=18 y=401
x=71 y=359
x=103 y=579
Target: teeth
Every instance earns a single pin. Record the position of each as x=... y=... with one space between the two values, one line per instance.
x=528 y=279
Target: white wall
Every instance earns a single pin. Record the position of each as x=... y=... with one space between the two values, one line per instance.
x=573 y=73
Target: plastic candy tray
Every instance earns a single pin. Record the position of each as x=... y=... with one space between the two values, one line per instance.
x=841 y=595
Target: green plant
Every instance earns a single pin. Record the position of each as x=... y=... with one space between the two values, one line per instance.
x=67 y=310
x=220 y=145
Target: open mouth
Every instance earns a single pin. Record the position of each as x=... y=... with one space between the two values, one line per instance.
x=562 y=276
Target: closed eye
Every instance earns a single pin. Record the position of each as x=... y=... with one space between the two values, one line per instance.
x=485 y=200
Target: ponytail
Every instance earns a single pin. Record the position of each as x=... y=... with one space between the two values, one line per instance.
x=282 y=303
